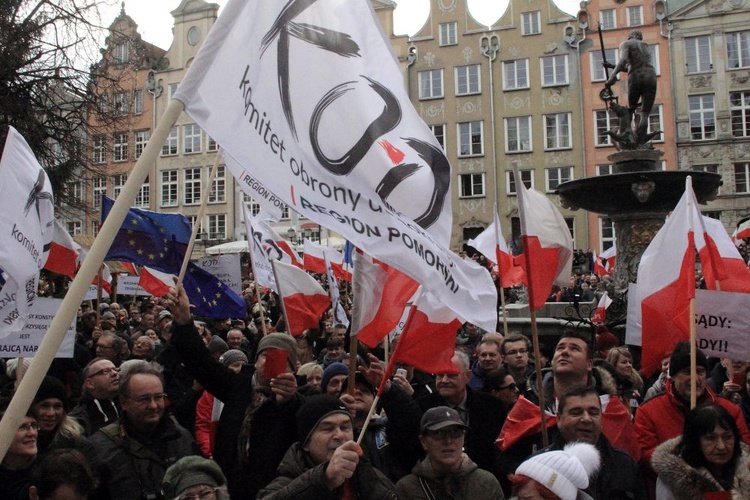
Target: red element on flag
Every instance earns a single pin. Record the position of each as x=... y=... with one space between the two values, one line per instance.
x=524 y=419
x=314 y=260
x=720 y=259
x=544 y=262
x=304 y=299
x=63 y=253
x=131 y=268
x=743 y=231
x=618 y=426
x=106 y=279
x=395 y=154
x=600 y=314
x=492 y=245
x=155 y=282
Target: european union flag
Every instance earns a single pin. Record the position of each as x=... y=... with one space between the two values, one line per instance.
x=160 y=241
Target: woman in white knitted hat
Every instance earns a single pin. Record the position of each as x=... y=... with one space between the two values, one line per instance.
x=557 y=475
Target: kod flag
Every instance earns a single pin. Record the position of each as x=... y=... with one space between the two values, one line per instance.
x=26 y=227
x=308 y=97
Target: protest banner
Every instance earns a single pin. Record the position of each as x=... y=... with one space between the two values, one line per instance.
x=24 y=343
x=226 y=268
x=723 y=324
x=128 y=285
x=93 y=292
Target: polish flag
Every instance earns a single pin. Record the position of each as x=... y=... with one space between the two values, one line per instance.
x=381 y=294
x=604 y=264
x=723 y=267
x=106 y=279
x=547 y=244
x=131 y=268
x=666 y=283
x=491 y=244
x=600 y=314
x=63 y=253
x=743 y=231
x=155 y=282
x=429 y=338
x=304 y=299
x=274 y=245
x=315 y=260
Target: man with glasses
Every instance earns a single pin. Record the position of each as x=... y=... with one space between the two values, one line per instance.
x=515 y=350
x=99 y=405
x=446 y=472
x=131 y=455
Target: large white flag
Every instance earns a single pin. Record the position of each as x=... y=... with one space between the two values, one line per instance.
x=26 y=227
x=308 y=98
x=262 y=270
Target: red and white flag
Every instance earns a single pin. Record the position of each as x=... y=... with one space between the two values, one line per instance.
x=261 y=266
x=742 y=232
x=314 y=258
x=723 y=267
x=666 y=283
x=63 y=253
x=429 y=338
x=276 y=247
x=604 y=264
x=339 y=314
x=547 y=243
x=304 y=299
x=155 y=282
x=491 y=244
x=381 y=294
x=600 y=314
x=103 y=278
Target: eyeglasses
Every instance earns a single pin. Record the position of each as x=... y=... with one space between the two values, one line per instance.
x=448 y=432
x=207 y=494
x=31 y=426
x=100 y=346
x=517 y=351
x=512 y=386
x=104 y=371
x=144 y=400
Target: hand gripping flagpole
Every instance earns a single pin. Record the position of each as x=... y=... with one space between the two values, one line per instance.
x=61 y=322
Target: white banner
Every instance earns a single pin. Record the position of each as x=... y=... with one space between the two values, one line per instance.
x=226 y=267
x=722 y=324
x=271 y=204
x=127 y=285
x=342 y=145
x=24 y=344
x=259 y=259
x=91 y=293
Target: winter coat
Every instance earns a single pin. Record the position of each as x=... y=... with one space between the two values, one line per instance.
x=468 y=483
x=93 y=414
x=679 y=480
x=299 y=479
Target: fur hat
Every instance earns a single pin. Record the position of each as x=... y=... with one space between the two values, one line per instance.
x=279 y=340
x=191 y=471
x=315 y=409
x=231 y=356
x=563 y=472
x=331 y=371
x=680 y=358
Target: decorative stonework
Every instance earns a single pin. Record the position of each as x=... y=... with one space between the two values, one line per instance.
x=518 y=102
x=558 y=158
x=470 y=165
x=715 y=6
x=472 y=206
x=514 y=51
x=468 y=53
x=433 y=110
x=550 y=47
x=447 y=6
x=633 y=236
x=429 y=59
x=740 y=78
x=553 y=97
x=698 y=82
x=704 y=151
x=468 y=107
x=683 y=130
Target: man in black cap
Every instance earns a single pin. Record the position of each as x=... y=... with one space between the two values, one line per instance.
x=326 y=462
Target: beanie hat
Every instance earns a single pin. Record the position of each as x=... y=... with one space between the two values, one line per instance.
x=680 y=358
x=109 y=316
x=277 y=340
x=606 y=340
x=332 y=370
x=217 y=344
x=563 y=472
x=52 y=387
x=359 y=379
x=191 y=471
x=231 y=356
x=315 y=409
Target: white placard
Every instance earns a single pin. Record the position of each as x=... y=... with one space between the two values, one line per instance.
x=25 y=343
x=91 y=293
x=722 y=324
x=128 y=285
x=226 y=268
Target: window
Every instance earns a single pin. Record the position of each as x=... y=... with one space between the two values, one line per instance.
x=603 y=123
x=712 y=169
x=431 y=84
x=471 y=185
x=99 y=149
x=172 y=89
x=120 y=150
x=527 y=176
x=217 y=227
x=557 y=131
x=252 y=205
x=654 y=51
x=738 y=50
x=604 y=169
x=467 y=80
x=170 y=145
x=95 y=226
x=169 y=188
x=608 y=19
x=218 y=192
x=121 y=52
x=698 y=53
x=739 y=103
x=516 y=74
x=607 y=236
x=448 y=34
x=192 y=186
x=194 y=222
x=118 y=183
x=138 y=102
x=121 y=103
x=99 y=189
x=285 y=214
x=439 y=131
x=635 y=15
x=556 y=176
x=191 y=138
x=76 y=191
x=712 y=214
x=702 y=117
x=531 y=23
x=143 y=197
x=141 y=138
x=74 y=227
x=656 y=122
x=212 y=145
x=470 y=141
x=103 y=104
x=597 y=69
x=571 y=223
x=742 y=177
x=518 y=134
x=554 y=70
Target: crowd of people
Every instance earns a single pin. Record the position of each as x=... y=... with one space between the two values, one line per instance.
x=159 y=404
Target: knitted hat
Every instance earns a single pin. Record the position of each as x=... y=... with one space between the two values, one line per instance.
x=563 y=472
x=315 y=409
x=359 y=379
x=52 y=388
x=164 y=314
x=278 y=340
x=231 y=356
x=332 y=370
x=440 y=417
x=680 y=358
x=217 y=344
x=109 y=316
x=191 y=471
x=606 y=340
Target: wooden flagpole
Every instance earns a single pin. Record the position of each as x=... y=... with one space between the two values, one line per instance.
x=499 y=271
x=281 y=297
x=61 y=322
x=691 y=243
